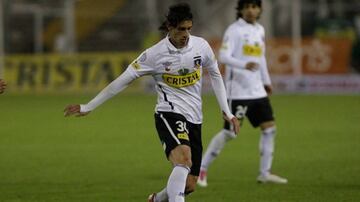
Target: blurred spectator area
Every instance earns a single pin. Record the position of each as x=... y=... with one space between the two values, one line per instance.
x=43 y=26
x=111 y=25
x=312 y=45
x=123 y=25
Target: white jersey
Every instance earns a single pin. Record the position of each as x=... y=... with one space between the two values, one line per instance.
x=178 y=76
x=243 y=43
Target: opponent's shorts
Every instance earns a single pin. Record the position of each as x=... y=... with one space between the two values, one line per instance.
x=173 y=130
x=257 y=111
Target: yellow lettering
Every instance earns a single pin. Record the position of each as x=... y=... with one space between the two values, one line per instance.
x=250 y=50
x=183 y=136
x=179 y=81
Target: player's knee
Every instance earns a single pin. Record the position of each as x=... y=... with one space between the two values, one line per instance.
x=181 y=155
x=268 y=126
x=269 y=131
x=186 y=160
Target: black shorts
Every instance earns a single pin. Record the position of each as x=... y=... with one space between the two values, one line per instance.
x=257 y=111
x=173 y=130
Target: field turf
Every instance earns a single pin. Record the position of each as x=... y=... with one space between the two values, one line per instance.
x=114 y=153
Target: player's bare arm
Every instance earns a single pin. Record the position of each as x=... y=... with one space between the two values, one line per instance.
x=236 y=125
x=74 y=109
x=2 y=86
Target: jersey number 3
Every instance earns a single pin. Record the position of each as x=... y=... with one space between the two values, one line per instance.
x=182 y=126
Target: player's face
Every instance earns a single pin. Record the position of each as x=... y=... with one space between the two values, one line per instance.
x=179 y=36
x=250 y=13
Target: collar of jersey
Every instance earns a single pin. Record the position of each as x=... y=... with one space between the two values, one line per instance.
x=176 y=50
x=243 y=22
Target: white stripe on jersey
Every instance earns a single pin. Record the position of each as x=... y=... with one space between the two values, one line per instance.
x=169 y=128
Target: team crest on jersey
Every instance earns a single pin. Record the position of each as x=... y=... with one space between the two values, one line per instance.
x=167 y=65
x=197 y=62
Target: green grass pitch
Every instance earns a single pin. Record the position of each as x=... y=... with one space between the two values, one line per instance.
x=114 y=153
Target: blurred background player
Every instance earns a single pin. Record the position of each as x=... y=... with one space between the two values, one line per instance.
x=248 y=86
x=176 y=64
x=2 y=86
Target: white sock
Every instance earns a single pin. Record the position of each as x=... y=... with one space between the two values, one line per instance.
x=266 y=146
x=162 y=196
x=216 y=145
x=177 y=182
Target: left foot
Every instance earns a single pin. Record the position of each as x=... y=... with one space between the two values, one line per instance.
x=202 y=180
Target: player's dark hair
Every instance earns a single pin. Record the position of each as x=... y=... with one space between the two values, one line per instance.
x=241 y=4
x=176 y=14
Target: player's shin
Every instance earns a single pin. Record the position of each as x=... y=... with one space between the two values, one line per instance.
x=216 y=145
x=266 y=146
x=177 y=182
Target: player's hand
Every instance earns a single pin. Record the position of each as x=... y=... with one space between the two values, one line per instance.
x=234 y=122
x=268 y=89
x=2 y=86
x=74 y=110
x=236 y=125
x=252 y=66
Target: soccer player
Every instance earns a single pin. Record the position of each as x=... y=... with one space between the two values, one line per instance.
x=176 y=63
x=2 y=86
x=248 y=86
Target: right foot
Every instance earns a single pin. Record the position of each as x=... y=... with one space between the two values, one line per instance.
x=202 y=180
x=272 y=179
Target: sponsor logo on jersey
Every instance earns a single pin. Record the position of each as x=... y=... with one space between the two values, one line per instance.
x=250 y=50
x=179 y=81
x=136 y=65
x=183 y=136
